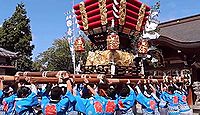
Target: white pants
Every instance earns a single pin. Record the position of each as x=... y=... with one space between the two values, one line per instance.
x=190 y=112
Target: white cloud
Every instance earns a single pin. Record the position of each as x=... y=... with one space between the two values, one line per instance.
x=1 y=25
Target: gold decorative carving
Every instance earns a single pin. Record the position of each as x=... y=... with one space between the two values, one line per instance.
x=143 y=46
x=104 y=58
x=83 y=15
x=122 y=12
x=79 y=45
x=90 y=58
x=103 y=11
x=113 y=42
x=140 y=17
x=123 y=58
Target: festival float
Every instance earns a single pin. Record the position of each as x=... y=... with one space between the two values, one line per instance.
x=120 y=32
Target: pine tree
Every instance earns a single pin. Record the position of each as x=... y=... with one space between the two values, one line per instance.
x=17 y=37
x=56 y=58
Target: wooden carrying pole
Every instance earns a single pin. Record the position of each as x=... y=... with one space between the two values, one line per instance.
x=61 y=74
x=80 y=79
x=58 y=74
x=41 y=74
x=7 y=78
x=44 y=80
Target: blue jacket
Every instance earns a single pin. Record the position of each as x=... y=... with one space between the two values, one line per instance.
x=61 y=106
x=125 y=103
x=24 y=105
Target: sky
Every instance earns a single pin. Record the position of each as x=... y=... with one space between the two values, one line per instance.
x=48 y=18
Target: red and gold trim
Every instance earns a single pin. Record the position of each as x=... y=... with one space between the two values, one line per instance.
x=83 y=15
x=122 y=12
x=143 y=46
x=103 y=12
x=141 y=16
x=79 y=45
x=131 y=15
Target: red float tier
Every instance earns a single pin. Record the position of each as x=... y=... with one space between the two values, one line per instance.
x=94 y=17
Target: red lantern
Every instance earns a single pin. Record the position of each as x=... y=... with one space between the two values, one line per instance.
x=143 y=46
x=113 y=42
x=79 y=45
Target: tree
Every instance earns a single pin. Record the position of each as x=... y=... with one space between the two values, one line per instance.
x=16 y=37
x=56 y=58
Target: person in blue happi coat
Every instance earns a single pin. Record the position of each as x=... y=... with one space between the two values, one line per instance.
x=87 y=102
x=26 y=100
x=92 y=103
x=182 y=93
x=8 y=100
x=163 y=102
x=108 y=99
x=54 y=103
x=126 y=99
x=2 y=112
x=172 y=100
x=20 y=102
x=148 y=100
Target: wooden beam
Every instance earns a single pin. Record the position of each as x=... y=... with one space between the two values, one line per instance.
x=92 y=78
x=41 y=74
x=96 y=80
x=58 y=74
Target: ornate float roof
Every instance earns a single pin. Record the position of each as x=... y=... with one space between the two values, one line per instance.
x=94 y=18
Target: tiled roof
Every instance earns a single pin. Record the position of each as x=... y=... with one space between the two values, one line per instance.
x=6 y=53
x=182 y=30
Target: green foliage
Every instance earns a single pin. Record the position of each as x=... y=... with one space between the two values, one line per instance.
x=56 y=58
x=16 y=36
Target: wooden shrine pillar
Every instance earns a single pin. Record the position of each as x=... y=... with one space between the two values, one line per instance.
x=190 y=96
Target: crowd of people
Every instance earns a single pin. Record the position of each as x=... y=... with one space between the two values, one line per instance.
x=93 y=99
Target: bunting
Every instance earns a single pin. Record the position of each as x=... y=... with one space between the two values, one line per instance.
x=72 y=27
